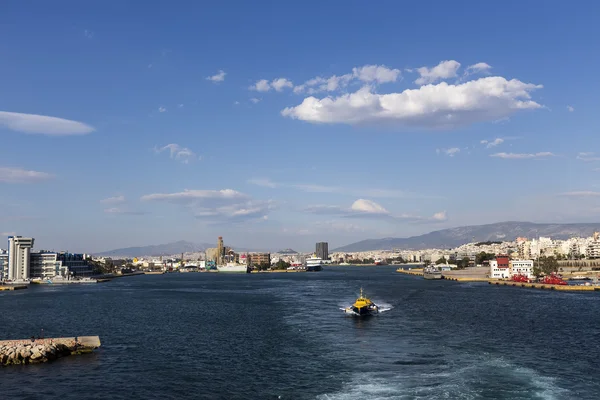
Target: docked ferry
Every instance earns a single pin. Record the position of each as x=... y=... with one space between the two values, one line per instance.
x=314 y=263
x=233 y=267
x=432 y=272
x=363 y=306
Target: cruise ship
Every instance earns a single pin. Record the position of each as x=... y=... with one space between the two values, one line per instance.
x=314 y=263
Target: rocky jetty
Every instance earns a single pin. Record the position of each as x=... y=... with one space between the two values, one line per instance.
x=15 y=352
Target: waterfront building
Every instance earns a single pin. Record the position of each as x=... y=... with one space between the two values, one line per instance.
x=75 y=264
x=593 y=247
x=499 y=267
x=260 y=258
x=322 y=250
x=521 y=267
x=3 y=264
x=46 y=265
x=19 y=250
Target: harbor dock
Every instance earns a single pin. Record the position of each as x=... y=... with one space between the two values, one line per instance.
x=12 y=287
x=32 y=351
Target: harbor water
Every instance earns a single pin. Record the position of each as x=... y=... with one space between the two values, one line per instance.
x=283 y=336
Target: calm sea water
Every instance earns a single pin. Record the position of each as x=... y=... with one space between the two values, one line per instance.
x=283 y=336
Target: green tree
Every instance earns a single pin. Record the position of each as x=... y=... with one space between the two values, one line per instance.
x=281 y=265
x=464 y=263
x=548 y=265
x=441 y=261
x=483 y=256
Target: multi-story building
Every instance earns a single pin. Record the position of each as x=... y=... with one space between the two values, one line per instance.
x=499 y=267
x=521 y=267
x=3 y=264
x=19 y=250
x=260 y=258
x=593 y=248
x=322 y=250
x=46 y=265
x=75 y=264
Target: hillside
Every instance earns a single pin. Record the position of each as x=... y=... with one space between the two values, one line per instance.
x=452 y=237
x=157 y=250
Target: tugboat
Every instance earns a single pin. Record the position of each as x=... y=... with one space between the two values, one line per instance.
x=363 y=306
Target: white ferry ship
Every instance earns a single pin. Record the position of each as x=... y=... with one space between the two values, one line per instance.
x=314 y=263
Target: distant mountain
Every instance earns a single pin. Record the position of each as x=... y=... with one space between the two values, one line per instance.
x=287 y=251
x=452 y=237
x=157 y=250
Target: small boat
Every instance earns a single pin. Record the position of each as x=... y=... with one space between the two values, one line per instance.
x=432 y=272
x=363 y=306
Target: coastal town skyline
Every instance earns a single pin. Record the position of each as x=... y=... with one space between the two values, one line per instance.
x=120 y=130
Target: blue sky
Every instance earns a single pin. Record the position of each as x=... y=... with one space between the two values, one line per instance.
x=277 y=125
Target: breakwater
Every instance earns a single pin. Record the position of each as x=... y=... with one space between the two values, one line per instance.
x=33 y=351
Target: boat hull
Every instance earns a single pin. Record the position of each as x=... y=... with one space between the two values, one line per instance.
x=236 y=269
x=429 y=275
x=362 y=312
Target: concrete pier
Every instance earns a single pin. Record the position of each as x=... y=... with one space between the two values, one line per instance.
x=12 y=287
x=32 y=351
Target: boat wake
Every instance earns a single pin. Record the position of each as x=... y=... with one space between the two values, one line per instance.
x=484 y=379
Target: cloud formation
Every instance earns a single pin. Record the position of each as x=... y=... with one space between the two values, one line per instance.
x=449 y=152
x=113 y=200
x=542 y=154
x=216 y=205
x=584 y=193
x=117 y=210
x=20 y=175
x=162 y=109
x=570 y=108
x=493 y=143
x=312 y=188
x=440 y=106
x=278 y=84
x=367 y=74
x=478 y=68
x=587 y=156
x=42 y=124
x=444 y=70
x=177 y=152
x=218 y=77
x=363 y=208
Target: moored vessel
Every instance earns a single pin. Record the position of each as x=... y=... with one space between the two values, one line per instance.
x=432 y=272
x=314 y=263
x=233 y=267
x=363 y=306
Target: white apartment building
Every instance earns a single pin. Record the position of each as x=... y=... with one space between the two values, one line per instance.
x=498 y=273
x=3 y=265
x=521 y=267
x=19 y=250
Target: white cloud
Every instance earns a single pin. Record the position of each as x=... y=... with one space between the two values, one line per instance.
x=281 y=83
x=570 y=108
x=178 y=152
x=581 y=194
x=8 y=233
x=587 y=156
x=216 y=205
x=376 y=73
x=218 y=77
x=430 y=106
x=366 y=74
x=254 y=100
x=117 y=210
x=162 y=109
x=88 y=34
x=313 y=188
x=449 y=152
x=444 y=70
x=32 y=123
x=113 y=200
x=542 y=154
x=368 y=207
x=363 y=208
x=261 y=86
x=19 y=175
x=493 y=143
x=478 y=68
x=180 y=105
